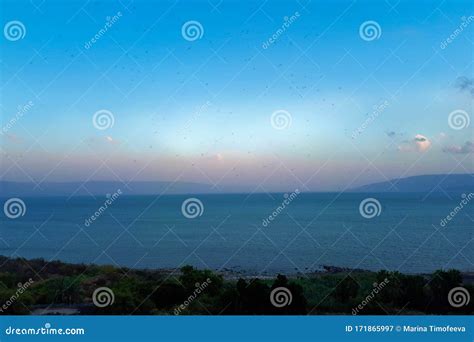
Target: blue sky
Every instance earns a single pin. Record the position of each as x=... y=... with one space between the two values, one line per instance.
x=201 y=110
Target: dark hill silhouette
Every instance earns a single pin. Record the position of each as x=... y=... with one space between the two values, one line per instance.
x=427 y=183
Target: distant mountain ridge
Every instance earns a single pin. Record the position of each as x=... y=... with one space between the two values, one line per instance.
x=459 y=183
x=427 y=183
x=97 y=188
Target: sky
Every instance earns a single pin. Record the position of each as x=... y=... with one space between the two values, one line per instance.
x=250 y=95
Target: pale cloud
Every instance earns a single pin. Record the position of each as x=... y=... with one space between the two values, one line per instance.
x=215 y=157
x=422 y=143
x=468 y=147
x=111 y=140
x=465 y=84
x=391 y=134
x=13 y=138
x=405 y=147
x=419 y=143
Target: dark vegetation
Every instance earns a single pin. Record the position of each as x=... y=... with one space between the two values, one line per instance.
x=60 y=285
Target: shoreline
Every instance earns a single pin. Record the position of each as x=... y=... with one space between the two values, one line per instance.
x=38 y=287
x=233 y=273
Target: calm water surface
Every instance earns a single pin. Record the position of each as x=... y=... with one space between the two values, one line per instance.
x=314 y=230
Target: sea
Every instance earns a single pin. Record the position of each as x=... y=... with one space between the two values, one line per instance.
x=254 y=234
